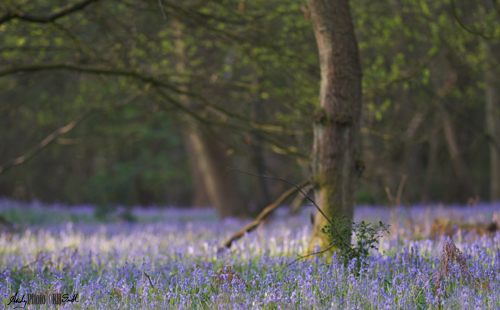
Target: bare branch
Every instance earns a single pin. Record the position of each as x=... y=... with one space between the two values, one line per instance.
x=53 y=136
x=149 y=279
x=297 y=202
x=455 y=15
x=268 y=210
x=147 y=79
x=291 y=183
x=66 y=10
x=21 y=159
x=87 y=69
x=308 y=198
x=207 y=122
x=162 y=10
x=310 y=254
x=159 y=86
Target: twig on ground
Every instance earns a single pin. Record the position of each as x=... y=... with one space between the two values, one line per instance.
x=149 y=279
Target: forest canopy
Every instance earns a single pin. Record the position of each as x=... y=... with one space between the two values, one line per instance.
x=156 y=90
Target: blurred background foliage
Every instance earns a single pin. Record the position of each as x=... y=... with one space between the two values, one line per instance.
x=247 y=72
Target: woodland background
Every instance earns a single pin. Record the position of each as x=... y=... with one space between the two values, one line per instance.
x=168 y=94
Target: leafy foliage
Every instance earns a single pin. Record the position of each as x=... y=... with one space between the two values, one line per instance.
x=252 y=60
x=367 y=235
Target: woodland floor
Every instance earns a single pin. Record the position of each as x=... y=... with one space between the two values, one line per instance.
x=168 y=259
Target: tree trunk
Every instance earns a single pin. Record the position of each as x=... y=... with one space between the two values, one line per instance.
x=444 y=71
x=218 y=179
x=263 y=196
x=492 y=80
x=200 y=196
x=459 y=166
x=208 y=160
x=337 y=121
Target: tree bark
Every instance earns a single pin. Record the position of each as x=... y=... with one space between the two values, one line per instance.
x=208 y=157
x=200 y=196
x=459 y=166
x=463 y=177
x=337 y=120
x=213 y=163
x=444 y=78
x=263 y=196
x=492 y=81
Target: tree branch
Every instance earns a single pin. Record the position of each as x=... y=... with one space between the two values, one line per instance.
x=310 y=254
x=207 y=122
x=21 y=159
x=291 y=183
x=147 y=79
x=87 y=69
x=344 y=242
x=264 y=128
x=268 y=210
x=66 y=10
x=455 y=15
x=50 y=138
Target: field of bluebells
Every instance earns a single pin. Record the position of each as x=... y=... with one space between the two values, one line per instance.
x=169 y=259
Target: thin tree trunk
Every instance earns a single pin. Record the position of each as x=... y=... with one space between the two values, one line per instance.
x=208 y=156
x=263 y=197
x=200 y=198
x=412 y=164
x=492 y=80
x=456 y=158
x=461 y=171
x=337 y=121
x=219 y=181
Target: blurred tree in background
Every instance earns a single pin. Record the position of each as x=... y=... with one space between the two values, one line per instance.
x=159 y=77
x=172 y=92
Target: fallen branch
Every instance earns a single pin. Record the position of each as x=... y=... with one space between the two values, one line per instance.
x=268 y=210
x=291 y=183
x=344 y=243
x=149 y=279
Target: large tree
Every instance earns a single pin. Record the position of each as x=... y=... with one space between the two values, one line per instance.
x=337 y=120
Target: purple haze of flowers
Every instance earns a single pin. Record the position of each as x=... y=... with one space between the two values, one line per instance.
x=172 y=262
